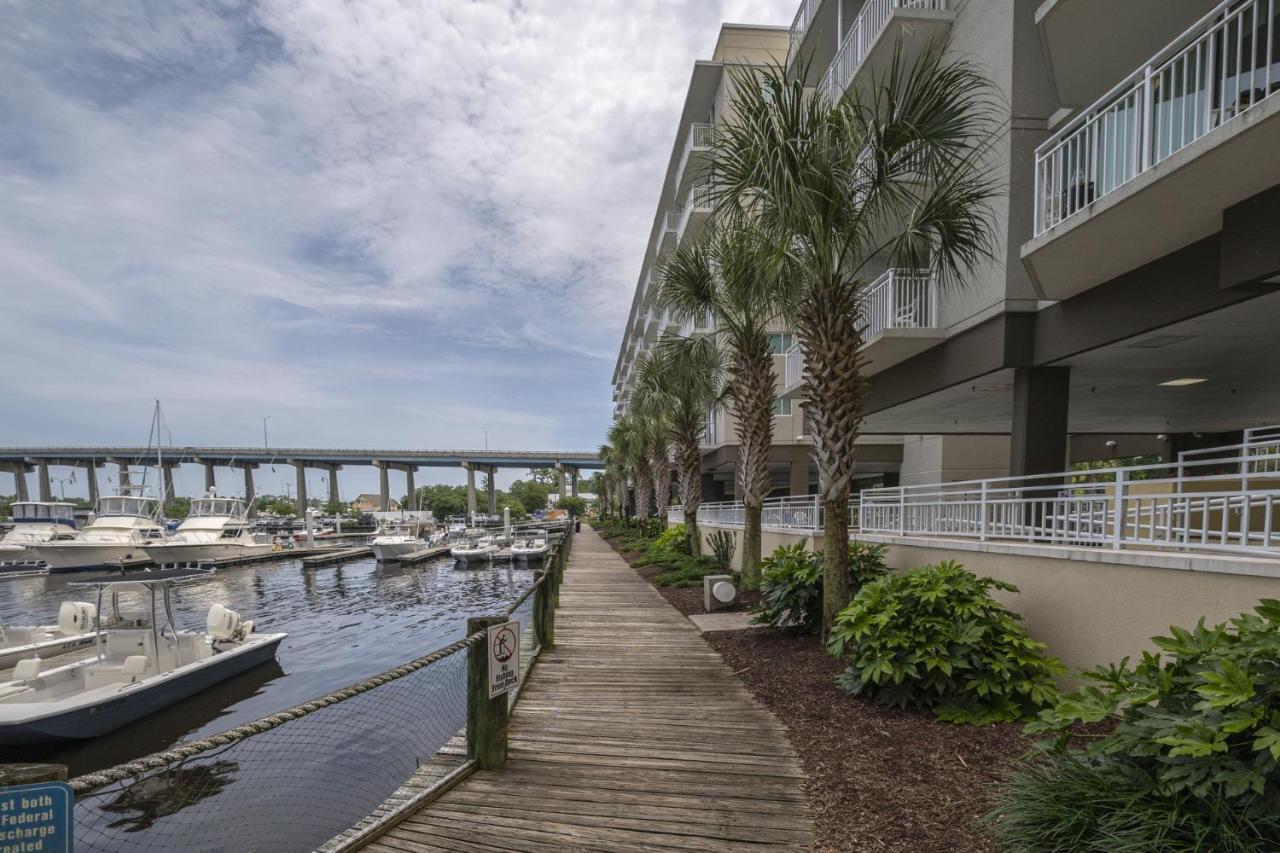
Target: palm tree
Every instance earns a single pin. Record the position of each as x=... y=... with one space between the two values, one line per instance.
x=627 y=438
x=895 y=173
x=615 y=476
x=655 y=438
x=683 y=374
x=731 y=278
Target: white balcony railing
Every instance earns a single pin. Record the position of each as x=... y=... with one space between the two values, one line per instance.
x=793 y=367
x=900 y=299
x=668 y=232
x=861 y=37
x=1214 y=72
x=698 y=200
x=704 y=325
x=800 y=25
x=1224 y=499
x=698 y=140
x=711 y=430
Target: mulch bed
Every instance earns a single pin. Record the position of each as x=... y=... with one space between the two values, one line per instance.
x=879 y=778
x=686 y=599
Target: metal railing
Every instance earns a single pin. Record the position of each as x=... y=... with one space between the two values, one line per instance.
x=1224 y=499
x=1221 y=66
x=697 y=201
x=670 y=228
x=861 y=37
x=793 y=367
x=699 y=138
x=800 y=25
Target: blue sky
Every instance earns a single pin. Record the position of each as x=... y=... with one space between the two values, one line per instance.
x=383 y=224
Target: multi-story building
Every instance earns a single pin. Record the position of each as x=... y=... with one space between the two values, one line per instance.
x=1132 y=304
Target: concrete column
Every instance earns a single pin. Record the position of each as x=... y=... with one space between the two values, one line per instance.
x=409 y=487
x=800 y=479
x=209 y=480
x=333 y=484
x=91 y=479
x=20 y=482
x=248 y=488
x=492 y=488
x=573 y=483
x=384 y=488
x=1038 y=437
x=167 y=479
x=471 y=487
x=42 y=480
x=301 y=501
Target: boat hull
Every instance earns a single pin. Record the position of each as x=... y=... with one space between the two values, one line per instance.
x=47 y=649
x=79 y=557
x=390 y=552
x=132 y=705
x=199 y=552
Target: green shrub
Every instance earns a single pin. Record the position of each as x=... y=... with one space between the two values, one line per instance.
x=673 y=539
x=1196 y=738
x=934 y=638
x=791 y=584
x=722 y=546
x=685 y=570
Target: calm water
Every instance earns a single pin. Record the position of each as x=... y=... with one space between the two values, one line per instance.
x=344 y=623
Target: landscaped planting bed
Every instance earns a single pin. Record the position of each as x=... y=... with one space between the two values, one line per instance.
x=880 y=778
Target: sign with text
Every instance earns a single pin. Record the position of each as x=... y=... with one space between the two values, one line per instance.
x=504 y=658
x=36 y=818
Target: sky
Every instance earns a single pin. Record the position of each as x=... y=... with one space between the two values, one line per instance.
x=379 y=224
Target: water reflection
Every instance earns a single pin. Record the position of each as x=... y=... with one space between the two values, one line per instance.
x=168 y=792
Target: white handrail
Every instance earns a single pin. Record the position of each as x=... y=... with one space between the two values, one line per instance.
x=699 y=138
x=861 y=37
x=1212 y=73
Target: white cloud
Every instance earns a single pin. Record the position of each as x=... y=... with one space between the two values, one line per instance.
x=304 y=207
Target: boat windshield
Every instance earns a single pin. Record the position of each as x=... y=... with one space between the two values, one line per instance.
x=127 y=505
x=205 y=507
x=36 y=511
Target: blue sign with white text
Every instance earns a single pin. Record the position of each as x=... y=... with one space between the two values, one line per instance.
x=36 y=818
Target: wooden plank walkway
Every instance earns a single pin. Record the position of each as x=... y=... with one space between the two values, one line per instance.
x=631 y=734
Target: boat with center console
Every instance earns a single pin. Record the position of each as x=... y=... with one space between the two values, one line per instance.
x=477 y=545
x=77 y=622
x=141 y=665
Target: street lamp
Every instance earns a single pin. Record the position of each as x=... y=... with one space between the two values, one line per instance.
x=266 y=445
x=486 y=438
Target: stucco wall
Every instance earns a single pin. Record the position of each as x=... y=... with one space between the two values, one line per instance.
x=1090 y=608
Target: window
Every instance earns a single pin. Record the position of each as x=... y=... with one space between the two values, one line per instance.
x=781 y=407
x=779 y=342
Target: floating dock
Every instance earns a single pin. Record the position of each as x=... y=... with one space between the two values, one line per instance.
x=423 y=554
x=339 y=555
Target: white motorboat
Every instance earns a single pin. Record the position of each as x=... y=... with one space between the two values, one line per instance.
x=475 y=546
x=140 y=666
x=77 y=621
x=393 y=542
x=35 y=523
x=122 y=526
x=529 y=545
x=217 y=528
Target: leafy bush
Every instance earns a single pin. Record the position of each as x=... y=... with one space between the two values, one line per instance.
x=722 y=546
x=685 y=570
x=934 y=638
x=791 y=584
x=673 y=539
x=1196 y=738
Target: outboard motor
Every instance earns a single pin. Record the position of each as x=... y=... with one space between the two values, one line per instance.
x=225 y=624
x=76 y=617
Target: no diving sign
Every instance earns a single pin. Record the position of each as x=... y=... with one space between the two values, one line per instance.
x=504 y=658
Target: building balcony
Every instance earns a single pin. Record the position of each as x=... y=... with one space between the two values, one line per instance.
x=697 y=148
x=900 y=318
x=697 y=209
x=1152 y=165
x=866 y=50
x=667 y=233
x=697 y=326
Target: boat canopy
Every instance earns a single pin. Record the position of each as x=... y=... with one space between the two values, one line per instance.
x=142 y=580
x=127 y=505
x=28 y=512
x=213 y=506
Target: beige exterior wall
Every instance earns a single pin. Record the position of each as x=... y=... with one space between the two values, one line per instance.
x=1090 y=608
x=949 y=458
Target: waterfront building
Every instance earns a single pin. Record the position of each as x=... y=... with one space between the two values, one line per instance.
x=1131 y=306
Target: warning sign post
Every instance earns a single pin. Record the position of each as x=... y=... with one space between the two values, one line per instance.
x=504 y=658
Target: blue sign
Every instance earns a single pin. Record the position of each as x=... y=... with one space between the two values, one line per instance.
x=36 y=818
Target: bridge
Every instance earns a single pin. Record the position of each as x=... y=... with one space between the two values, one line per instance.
x=22 y=460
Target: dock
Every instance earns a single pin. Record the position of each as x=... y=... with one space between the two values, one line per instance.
x=336 y=555
x=630 y=734
x=424 y=554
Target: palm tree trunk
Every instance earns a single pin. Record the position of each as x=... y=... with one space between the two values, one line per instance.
x=644 y=491
x=753 y=392
x=690 y=459
x=828 y=326
x=662 y=488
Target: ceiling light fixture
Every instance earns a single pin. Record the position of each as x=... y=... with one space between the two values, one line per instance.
x=1178 y=383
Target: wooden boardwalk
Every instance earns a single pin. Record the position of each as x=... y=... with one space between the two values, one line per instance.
x=631 y=734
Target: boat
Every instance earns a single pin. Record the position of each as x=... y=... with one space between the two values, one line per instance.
x=529 y=545
x=123 y=525
x=77 y=622
x=139 y=667
x=393 y=542
x=34 y=523
x=475 y=546
x=216 y=528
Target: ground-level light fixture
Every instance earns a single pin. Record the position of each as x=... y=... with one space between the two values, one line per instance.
x=1187 y=380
